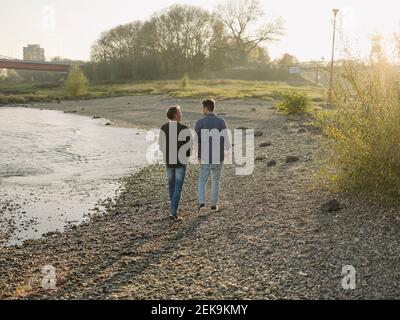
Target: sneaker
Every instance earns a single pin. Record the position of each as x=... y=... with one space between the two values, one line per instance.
x=202 y=209
x=214 y=209
x=173 y=217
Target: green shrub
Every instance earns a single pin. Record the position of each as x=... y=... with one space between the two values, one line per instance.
x=294 y=102
x=77 y=84
x=185 y=81
x=362 y=153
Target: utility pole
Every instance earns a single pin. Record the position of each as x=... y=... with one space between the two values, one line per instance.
x=330 y=93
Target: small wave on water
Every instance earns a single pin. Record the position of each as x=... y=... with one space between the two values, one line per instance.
x=55 y=167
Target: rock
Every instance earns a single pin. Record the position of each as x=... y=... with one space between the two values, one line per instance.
x=261 y=158
x=70 y=111
x=332 y=206
x=50 y=234
x=271 y=163
x=258 y=134
x=302 y=130
x=109 y=124
x=291 y=159
x=265 y=144
x=96 y=117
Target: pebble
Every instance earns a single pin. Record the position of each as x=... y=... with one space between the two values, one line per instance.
x=291 y=159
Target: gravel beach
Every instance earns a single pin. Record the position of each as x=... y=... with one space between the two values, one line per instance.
x=272 y=239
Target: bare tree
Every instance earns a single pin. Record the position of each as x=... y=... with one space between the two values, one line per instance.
x=184 y=33
x=240 y=17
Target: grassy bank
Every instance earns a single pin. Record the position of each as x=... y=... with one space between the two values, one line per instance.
x=217 y=89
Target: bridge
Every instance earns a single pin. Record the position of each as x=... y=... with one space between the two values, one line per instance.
x=11 y=63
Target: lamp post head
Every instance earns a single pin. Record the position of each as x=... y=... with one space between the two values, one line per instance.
x=335 y=12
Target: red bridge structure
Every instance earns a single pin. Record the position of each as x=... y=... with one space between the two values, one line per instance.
x=11 y=63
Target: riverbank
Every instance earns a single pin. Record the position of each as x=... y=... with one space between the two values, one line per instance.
x=271 y=239
x=217 y=89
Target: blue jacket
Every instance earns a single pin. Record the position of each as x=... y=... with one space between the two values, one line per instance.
x=208 y=123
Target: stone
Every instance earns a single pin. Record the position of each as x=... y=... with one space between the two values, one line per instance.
x=332 y=206
x=265 y=144
x=291 y=159
x=271 y=163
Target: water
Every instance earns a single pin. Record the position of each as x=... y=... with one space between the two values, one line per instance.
x=55 y=167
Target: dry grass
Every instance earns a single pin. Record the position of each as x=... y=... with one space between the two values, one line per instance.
x=363 y=150
x=217 y=89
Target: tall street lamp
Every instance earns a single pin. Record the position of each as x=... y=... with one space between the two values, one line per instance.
x=330 y=93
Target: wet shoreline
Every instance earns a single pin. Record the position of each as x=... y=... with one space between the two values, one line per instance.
x=56 y=167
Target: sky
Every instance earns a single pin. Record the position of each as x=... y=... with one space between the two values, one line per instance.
x=68 y=28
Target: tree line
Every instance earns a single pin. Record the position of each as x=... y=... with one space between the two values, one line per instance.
x=229 y=42
x=187 y=39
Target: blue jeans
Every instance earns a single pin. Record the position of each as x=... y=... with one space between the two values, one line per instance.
x=205 y=171
x=176 y=178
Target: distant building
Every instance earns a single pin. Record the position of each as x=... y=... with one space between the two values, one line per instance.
x=33 y=52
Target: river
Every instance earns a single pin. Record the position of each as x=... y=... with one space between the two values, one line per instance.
x=55 y=167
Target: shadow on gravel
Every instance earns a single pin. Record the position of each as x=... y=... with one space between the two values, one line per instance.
x=122 y=278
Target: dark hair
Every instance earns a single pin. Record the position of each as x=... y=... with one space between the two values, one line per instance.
x=172 y=112
x=209 y=104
